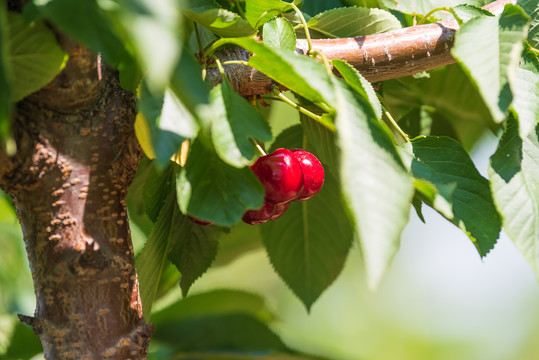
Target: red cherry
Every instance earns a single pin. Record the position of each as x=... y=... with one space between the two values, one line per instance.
x=259 y=216
x=280 y=174
x=313 y=174
x=267 y=212
x=200 y=222
x=279 y=210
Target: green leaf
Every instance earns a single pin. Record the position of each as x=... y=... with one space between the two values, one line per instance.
x=309 y=244
x=241 y=239
x=279 y=33
x=526 y=93
x=515 y=180
x=421 y=6
x=531 y=7
x=255 y=8
x=136 y=208
x=5 y=80
x=467 y=12
x=157 y=187
x=34 y=56
x=86 y=22
x=318 y=6
x=301 y=74
x=219 y=21
x=151 y=261
x=148 y=20
x=359 y=84
x=435 y=98
x=375 y=184
x=235 y=125
x=324 y=141
x=212 y=303
x=23 y=343
x=211 y=190
x=187 y=84
x=223 y=333
x=192 y=249
x=170 y=123
x=488 y=49
x=444 y=163
x=353 y=21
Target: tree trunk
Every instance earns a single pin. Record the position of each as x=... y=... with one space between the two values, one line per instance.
x=76 y=155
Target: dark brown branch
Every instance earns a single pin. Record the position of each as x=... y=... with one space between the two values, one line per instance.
x=377 y=57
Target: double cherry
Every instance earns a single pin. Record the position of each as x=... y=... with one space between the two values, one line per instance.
x=287 y=175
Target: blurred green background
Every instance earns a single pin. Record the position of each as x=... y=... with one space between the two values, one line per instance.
x=438 y=301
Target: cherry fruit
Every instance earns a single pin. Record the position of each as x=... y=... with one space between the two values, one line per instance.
x=200 y=222
x=313 y=174
x=267 y=212
x=281 y=175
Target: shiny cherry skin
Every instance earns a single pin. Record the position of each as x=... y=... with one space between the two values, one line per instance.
x=267 y=212
x=313 y=174
x=281 y=175
x=200 y=222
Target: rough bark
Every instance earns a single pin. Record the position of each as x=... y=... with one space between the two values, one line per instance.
x=76 y=155
x=377 y=57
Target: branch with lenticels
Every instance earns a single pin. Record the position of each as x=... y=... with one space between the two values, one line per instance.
x=377 y=57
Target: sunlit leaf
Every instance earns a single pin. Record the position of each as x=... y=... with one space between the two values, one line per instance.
x=531 y=7
x=526 y=93
x=153 y=27
x=279 y=33
x=375 y=184
x=353 y=21
x=301 y=74
x=445 y=164
x=255 y=8
x=235 y=126
x=220 y=21
x=467 y=12
x=169 y=122
x=515 y=180
x=187 y=84
x=488 y=49
x=359 y=84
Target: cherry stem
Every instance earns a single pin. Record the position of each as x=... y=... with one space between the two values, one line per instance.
x=328 y=66
x=305 y=28
x=391 y=119
x=441 y=8
x=259 y=147
x=298 y=107
x=257 y=24
x=220 y=66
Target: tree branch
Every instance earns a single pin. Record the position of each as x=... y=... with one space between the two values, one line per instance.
x=377 y=57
